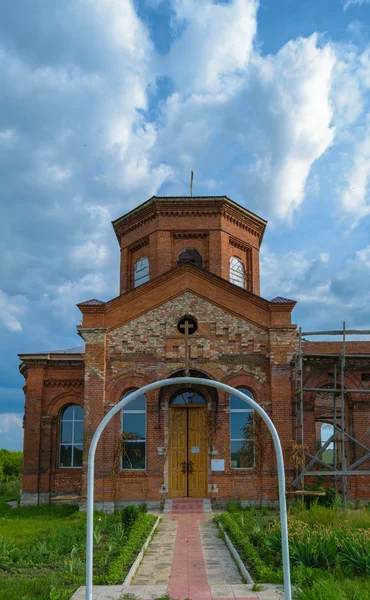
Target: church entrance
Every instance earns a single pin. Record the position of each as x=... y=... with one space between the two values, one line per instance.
x=187 y=447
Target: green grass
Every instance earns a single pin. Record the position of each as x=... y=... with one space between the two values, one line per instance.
x=329 y=549
x=42 y=549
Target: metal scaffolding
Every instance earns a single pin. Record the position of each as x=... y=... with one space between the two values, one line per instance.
x=338 y=364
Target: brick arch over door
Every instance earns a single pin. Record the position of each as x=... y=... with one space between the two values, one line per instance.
x=211 y=395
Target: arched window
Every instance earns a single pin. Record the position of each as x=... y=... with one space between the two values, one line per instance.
x=141 y=271
x=241 y=440
x=134 y=434
x=236 y=271
x=190 y=255
x=187 y=397
x=71 y=432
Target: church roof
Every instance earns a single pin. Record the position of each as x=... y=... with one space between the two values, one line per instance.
x=281 y=300
x=138 y=210
x=92 y=302
x=74 y=350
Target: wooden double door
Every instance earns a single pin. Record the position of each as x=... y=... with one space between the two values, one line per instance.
x=187 y=452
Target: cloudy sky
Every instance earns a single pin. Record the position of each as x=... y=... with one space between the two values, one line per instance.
x=104 y=103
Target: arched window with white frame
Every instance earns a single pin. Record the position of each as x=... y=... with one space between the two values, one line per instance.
x=134 y=434
x=71 y=437
x=141 y=271
x=241 y=433
x=237 y=274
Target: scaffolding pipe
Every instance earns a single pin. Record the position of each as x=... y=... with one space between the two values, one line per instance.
x=335 y=390
x=343 y=453
x=338 y=332
x=335 y=445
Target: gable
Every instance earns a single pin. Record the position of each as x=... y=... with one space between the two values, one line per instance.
x=219 y=332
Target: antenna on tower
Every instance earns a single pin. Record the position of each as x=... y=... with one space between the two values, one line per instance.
x=191 y=183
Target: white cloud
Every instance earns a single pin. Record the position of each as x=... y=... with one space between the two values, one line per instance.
x=355 y=197
x=216 y=44
x=348 y=3
x=324 y=297
x=290 y=94
x=356 y=28
x=11 y=431
x=12 y=308
x=7 y=135
x=267 y=127
x=364 y=255
x=325 y=258
x=89 y=254
x=57 y=173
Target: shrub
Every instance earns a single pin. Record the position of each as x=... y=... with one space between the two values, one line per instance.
x=129 y=515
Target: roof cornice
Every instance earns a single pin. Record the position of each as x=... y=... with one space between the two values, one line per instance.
x=195 y=205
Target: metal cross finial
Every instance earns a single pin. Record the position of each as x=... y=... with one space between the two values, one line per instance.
x=186 y=326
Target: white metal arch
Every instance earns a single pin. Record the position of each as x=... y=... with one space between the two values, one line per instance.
x=154 y=386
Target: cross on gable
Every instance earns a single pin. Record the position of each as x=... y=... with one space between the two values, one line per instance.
x=187 y=326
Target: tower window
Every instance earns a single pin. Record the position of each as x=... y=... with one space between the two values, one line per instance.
x=141 y=271
x=190 y=255
x=236 y=271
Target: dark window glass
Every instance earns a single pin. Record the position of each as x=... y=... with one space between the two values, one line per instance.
x=77 y=456
x=134 y=455
x=239 y=424
x=65 y=456
x=79 y=413
x=241 y=433
x=138 y=403
x=242 y=454
x=190 y=255
x=71 y=436
x=67 y=432
x=68 y=413
x=134 y=423
x=78 y=432
x=238 y=403
x=134 y=434
x=187 y=397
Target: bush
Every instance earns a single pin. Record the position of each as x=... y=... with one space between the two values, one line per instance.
x=129 y=514
x=10 y=464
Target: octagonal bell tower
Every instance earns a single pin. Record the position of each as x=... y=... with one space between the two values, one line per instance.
x=213 y=232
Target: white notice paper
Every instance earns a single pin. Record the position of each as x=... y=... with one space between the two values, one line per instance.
x=217 y=464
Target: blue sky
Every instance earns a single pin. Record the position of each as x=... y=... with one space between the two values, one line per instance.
x=104 y=103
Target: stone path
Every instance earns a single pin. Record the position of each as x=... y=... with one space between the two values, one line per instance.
x=186 y=559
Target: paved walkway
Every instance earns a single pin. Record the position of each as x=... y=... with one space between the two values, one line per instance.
x=186 y=559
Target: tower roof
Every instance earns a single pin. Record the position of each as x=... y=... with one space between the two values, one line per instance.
x=135 y=213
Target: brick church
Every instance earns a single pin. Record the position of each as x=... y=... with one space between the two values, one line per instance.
x=190 y=302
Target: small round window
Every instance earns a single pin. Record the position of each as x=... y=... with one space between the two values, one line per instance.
x=187 y=325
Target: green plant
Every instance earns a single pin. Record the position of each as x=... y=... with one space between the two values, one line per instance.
x=129 y=515
x=257 y=587
x=233 y=506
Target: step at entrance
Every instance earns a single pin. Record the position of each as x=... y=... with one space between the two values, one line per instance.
x=187 y=505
